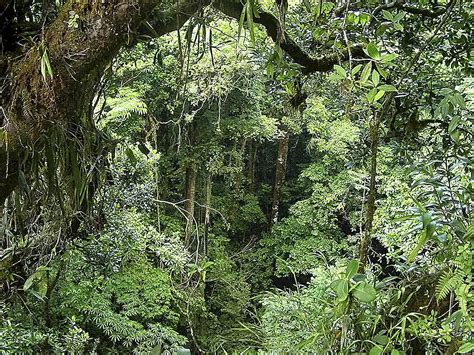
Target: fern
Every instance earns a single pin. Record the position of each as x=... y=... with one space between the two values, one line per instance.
x=126 y=104
x=448 y=283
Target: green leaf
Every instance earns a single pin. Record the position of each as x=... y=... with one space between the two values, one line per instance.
x=29 y=282
x=426 y=218
x=341 y=287
x=381 y=29
x=129 y=153
x=372 y=51
x=352 y=268
x=356 y=69
x=43 y=287
x=430 y=229
x=270 y=69
x=399 y=16
x=382 y=72
x=371 y=95
x=458 y=100
x=387 y=58
x=379 y=95
x=388 y=88
x=37 y=275
x=387 y=15
x=420 y=244
x=250 y=22
x=48 y=64
x=375 y=77
x=45 y=65
x=340 y=70
x=381 y=339
x=364 y=76
x=241 y=22
x=456 y=135
x=359 y=277
x=364 y=292
x=255 y=8
x=341 y=307
x=454 y=124
x=364 y=18
x=43 y=68
x=465 y=348
x=376 y=350
x=398 y=26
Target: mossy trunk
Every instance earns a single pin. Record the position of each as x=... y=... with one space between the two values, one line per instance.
x=280 y=171
x=207 y=216
x=190 y=192
x=34 y=101
x=370 y=208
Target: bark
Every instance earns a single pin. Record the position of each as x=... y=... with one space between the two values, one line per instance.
x=207 y=216
x=374 y=135
x=190 y=192
x=280 y=171
x=170 y=19
x=190 y=186
x=251 y=164
x=365 y=242
x=238 y=182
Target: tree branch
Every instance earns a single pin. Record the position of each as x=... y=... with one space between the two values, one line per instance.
x=310 y=64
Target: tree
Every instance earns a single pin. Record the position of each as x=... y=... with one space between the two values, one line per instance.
x=51 y=84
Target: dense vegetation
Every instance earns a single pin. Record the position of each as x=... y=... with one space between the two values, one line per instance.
x=240 y=176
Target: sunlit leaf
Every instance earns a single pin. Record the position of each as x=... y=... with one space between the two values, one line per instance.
x=373 y=51
x=341 y=287
x=352 y=268
x=364 y=292
x=387 y=88
x=366 y=72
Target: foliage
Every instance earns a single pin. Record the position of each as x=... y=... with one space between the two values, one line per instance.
x=146 y=224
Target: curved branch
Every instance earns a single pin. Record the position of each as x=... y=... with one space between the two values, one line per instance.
x=310 y=64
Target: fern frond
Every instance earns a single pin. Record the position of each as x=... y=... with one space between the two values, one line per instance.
x=448 y=283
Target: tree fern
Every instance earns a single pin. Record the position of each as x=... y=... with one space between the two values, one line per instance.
x=128 y=102
x=126 y=114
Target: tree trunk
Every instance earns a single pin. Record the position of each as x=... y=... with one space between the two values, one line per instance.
x=32 y=102
x=190 y=192
x=238 y=182
x=279 y=177
x=190 y=184
x=251 y=164
x=207 y=215
x=365 y=242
